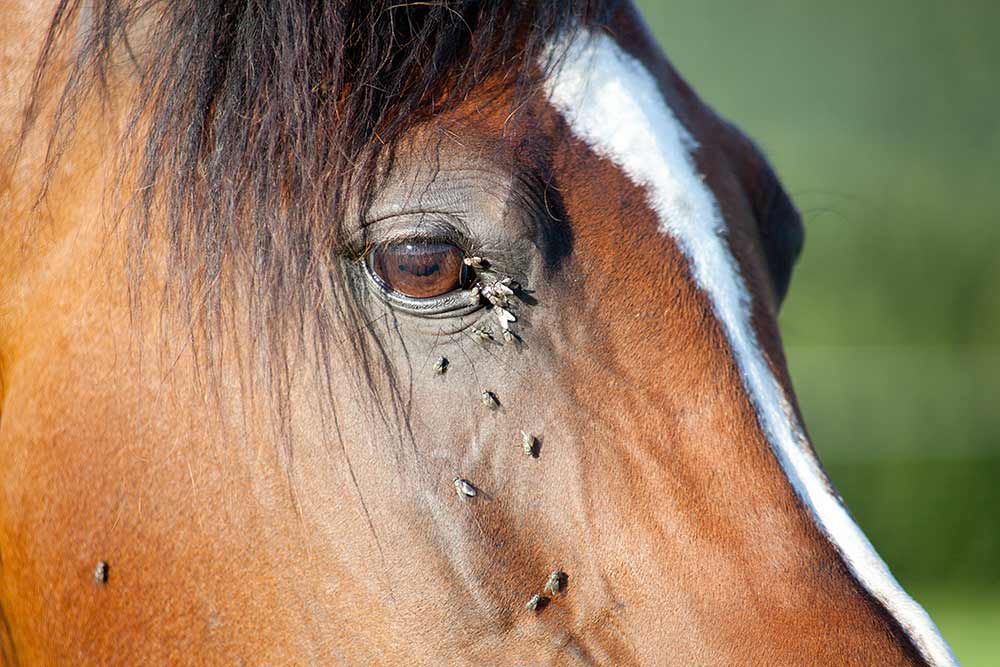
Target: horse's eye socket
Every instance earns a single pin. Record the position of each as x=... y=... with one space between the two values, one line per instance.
x=419 y=269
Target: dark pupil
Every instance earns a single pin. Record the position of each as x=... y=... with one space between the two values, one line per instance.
x=420 y=269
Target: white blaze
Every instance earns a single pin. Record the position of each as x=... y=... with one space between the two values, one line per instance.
x=612 y=102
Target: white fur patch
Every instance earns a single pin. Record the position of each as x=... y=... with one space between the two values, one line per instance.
x=612 y=102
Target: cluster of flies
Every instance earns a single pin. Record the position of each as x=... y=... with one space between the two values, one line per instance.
x=555 y=585
x=499 y=294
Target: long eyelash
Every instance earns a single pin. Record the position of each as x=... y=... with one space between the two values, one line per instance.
x=419 y=227
x=362 y=253
x=359 y=254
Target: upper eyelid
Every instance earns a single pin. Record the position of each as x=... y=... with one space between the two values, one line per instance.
x=419 y=225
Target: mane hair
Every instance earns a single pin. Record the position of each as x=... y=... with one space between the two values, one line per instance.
x=260 y=125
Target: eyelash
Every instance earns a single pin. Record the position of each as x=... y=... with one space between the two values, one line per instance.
x=430 y=228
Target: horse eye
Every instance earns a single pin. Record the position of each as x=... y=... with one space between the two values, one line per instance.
x=419 y=269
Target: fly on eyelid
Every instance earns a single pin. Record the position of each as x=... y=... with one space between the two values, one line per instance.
x=499 y=292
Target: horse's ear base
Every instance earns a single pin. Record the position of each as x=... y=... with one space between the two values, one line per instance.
x=783 y=235
x=779 y=224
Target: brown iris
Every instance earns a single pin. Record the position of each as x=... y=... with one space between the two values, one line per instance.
x=419 y=269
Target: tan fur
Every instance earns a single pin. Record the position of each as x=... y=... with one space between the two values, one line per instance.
x=654 y=489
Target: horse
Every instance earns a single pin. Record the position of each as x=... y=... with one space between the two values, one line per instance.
x=402 y=333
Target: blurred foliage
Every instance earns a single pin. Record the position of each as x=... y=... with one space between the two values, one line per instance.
x=882 y=120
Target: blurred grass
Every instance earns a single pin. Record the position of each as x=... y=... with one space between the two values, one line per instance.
x=969 y=618
x=882 y=120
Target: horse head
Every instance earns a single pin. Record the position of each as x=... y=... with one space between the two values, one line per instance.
x=435 y=333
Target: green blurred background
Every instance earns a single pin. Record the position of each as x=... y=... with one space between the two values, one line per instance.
x=882 y=119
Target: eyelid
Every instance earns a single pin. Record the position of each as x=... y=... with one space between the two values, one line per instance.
x=425 y=226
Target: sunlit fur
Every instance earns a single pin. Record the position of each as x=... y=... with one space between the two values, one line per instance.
x=176 y=265
x=612 y=102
